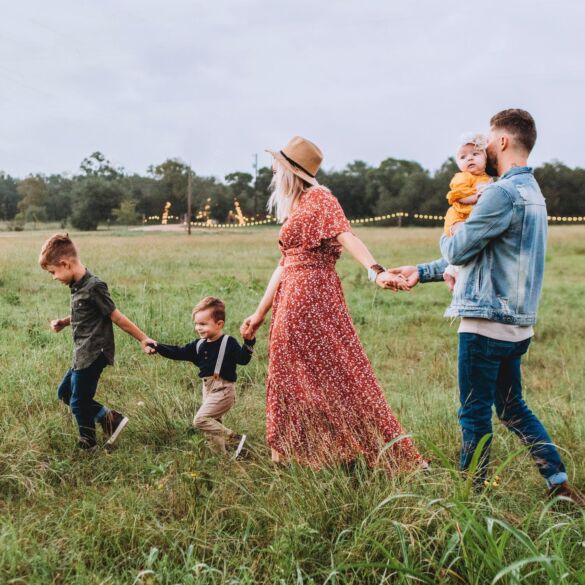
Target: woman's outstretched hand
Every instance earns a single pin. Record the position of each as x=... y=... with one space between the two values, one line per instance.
x=250 y=325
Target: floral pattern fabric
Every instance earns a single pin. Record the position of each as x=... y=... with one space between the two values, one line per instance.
x=324 y=404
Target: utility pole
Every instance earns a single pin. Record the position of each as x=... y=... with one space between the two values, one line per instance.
x=189 y=199
x=255 y=185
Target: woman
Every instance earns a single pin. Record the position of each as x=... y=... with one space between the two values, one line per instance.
x=324 y=404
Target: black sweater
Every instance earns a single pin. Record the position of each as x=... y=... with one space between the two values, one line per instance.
x=206 y=359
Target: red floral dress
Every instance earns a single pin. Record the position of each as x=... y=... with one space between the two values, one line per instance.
x=324 y=404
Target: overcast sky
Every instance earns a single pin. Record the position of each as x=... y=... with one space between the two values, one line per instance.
x=214 y=82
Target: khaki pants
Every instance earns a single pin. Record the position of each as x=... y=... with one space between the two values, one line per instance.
x=218 y=397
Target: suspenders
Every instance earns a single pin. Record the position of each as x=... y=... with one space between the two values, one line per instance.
x=220 y=355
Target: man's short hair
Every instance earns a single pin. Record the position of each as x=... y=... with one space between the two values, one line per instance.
x=216 y=305
x=519 y=123
x=56 y=249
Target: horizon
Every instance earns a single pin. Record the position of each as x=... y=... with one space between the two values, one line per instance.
x=126 y=172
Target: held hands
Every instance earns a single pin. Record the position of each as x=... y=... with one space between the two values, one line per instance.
x=58 y=325
x=394 y=282
x=408 y=273
x=148 y=345
x=250 y=325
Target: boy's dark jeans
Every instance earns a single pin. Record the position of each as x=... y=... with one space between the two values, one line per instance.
x=77 y=390
x=489 y=374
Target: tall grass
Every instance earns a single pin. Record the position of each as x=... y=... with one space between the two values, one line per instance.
x=160 y=509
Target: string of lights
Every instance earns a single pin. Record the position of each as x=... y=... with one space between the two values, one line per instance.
x=358 y=221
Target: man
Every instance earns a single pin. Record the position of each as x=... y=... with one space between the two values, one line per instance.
x=501 y=250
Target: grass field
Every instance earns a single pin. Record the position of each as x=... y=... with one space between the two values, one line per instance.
x=157 y=510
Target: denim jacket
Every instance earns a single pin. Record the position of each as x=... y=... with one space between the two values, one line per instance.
x=500 y=250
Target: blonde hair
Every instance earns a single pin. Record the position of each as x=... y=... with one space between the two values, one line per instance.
x=55 y=249
x=286 y=189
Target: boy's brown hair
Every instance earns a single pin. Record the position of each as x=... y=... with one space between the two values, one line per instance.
x=55 y=249
x=216 y=305
x=519 y=123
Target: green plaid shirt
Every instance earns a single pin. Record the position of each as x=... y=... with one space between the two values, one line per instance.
x=93 y=333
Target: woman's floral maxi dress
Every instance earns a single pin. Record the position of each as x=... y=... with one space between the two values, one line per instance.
x=324 y=404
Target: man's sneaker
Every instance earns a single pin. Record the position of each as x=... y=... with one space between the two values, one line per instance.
x=113 y=423
x=566 y=491
x=240 y=440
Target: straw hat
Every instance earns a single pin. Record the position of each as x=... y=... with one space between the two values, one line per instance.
x=302 y=157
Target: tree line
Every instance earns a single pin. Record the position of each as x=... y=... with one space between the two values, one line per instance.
x=102 y=193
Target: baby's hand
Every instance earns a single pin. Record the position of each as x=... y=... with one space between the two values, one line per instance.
x=249 y=337
x=481 y=188
x=58 y=325
x=470 y=199
x=456 y=227
x=450 y=281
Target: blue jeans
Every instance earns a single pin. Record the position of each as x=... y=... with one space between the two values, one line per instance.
x=490 y=375
x=77 y=390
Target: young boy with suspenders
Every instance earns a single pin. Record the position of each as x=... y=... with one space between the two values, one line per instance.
x=217 y=356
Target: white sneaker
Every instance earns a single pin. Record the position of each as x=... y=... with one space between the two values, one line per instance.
x=114 y=423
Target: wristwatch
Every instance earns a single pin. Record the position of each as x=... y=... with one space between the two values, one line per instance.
x=374 y=270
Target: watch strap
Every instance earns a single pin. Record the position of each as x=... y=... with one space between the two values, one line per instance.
x=374 y=270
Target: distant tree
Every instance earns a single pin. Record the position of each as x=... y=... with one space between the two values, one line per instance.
x=241 y=188
x=220 y=196
x=33 y=192
x=58 y=204
x=171 y=177
x=35 y=214
x=350 y=187
x=97 y=165
x=262 y=189
x=563 y=188
x=8 y=197
x=416 y=193
x=126 y=214
x=363 y=190
x=388 y=180
x=145 y=191
x=94 y=199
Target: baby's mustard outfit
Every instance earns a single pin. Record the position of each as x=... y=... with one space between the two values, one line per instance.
x=462 y=185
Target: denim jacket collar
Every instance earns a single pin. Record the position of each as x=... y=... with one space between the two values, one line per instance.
x=516 y=171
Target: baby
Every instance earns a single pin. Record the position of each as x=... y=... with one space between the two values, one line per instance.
x=465 y=188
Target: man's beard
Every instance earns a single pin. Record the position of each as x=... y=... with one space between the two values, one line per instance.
x=491 y=166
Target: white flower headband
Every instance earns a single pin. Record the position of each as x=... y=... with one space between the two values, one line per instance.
x=476 y=138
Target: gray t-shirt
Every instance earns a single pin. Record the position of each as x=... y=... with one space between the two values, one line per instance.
x=495 y=330
x=93 y=334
